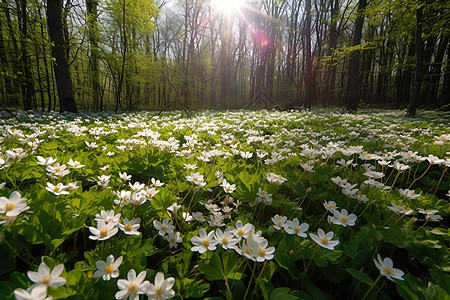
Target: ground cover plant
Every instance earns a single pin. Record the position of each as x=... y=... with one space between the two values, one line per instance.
x=225 y=205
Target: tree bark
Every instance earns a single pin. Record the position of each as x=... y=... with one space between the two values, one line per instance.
x=93 y=36
x=62 y=75
x=415 y=95
x=353 y=76
x=309 y=101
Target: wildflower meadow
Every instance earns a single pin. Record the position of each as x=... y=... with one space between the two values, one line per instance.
x=225 y=205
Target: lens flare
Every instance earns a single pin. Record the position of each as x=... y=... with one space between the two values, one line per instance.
x=227 y=7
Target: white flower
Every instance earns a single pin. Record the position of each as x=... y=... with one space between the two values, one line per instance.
x=165 y=227
x=343 y=218
x=204 y=241
x=196 y=178
x=198 y=216
x=130 y=226
x=103 y=180
x=213 y=208
x=136 y=187
x=174 y=239
x=246 y=155
x=107 y=217
x=13 y=206
x=45 y=276
x=399 y=166
x=103 y=231
x=72 y=186
x=263 y=196
x=275 y=179
x=132 y=287
x=124 y=198
x=45 y=161
x=307 y=167
x=226 y=239
x=294 y=227
x=37 y=292
x=330 y=205
x=174 y=208
x=108 y=269
x=434 y=160
x=324 y=240
x=227 y=187
x=408 y=193
x=386 y=268
x=187 y=216
x=162 y=289
x=58 y=189
x=241 y=230
x=156 y=183
x=189 y=167
x=278 y=221
x=261 y=252
x=74 y=164
x=400 y=209
x=56 y=170
x=124 y=176
x=216 y=220
x=428 y=211
x=92 y=145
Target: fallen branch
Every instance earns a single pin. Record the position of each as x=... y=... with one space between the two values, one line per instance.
x=10 y=112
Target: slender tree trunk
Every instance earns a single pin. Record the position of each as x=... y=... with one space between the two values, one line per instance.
x=444 y=97
x=93 y=36
x=308 y=72
x=436 y=70
x=62 y=75
x=353 y=76
x=415 y=95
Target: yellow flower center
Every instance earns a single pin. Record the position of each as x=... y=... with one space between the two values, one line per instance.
x=205 y=243
x=163 y=227
x=46 y=280
x=56 y=188
x=224 y=241
x=9 y=206
x=296 y=229
x=104 y=232
x=128 y=227
x=279 y=223
x=324 y=241
x=132 y=288
x=158 y=292
x=248 y=251
x=57 y=169
x=109 y=268
x=261 y=252
x=240 y=232
x=388 y=270
x=344 y=219
x=330 y=206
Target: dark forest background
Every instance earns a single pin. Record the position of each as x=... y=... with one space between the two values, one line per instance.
x=122 y=55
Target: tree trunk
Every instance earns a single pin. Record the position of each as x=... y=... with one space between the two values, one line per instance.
x=415 y=95
x=62 y=75
x=353 y=76
x=444 y=97
x=308 y=72
x=93 y=35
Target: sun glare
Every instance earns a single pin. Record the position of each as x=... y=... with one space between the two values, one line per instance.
x=228 y=7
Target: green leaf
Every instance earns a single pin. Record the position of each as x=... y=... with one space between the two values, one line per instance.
x=282 y=293
x=363 y=277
